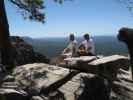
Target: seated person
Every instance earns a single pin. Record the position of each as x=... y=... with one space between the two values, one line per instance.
x=87 y=47
x=82 y=50
x=71 y=48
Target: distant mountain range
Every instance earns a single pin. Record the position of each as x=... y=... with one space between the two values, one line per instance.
x=51 y=47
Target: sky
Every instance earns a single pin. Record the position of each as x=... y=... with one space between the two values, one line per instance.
x=98 y=17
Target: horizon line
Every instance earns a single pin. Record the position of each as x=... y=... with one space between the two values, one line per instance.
x=62 y=36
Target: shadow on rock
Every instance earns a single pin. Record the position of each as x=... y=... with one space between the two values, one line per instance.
x=94 y=88
x=57 y=96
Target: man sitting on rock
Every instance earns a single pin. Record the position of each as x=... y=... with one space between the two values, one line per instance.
x=87 y=47
x=71 y=48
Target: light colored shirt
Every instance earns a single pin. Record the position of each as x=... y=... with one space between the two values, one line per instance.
x=72 y=44
x=89 y=46
x=72 y=47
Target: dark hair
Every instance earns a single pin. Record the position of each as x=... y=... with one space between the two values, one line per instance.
x=87 y=36
x=72 y=37
x=81 y=46
x=125 y=34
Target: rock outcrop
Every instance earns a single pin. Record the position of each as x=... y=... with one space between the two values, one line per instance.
x=41 y=81
x=24 y=54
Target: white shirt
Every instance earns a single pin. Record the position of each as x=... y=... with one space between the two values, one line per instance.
x=89 y=44
x=72 y=46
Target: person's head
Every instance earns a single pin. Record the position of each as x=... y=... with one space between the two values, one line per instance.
x=86 y=36
x=71 y=37
x=125 y=34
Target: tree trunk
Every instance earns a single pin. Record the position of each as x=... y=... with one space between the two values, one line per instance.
x=5 y=45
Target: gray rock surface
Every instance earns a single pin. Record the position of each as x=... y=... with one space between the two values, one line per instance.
x=31 y=78
x=11 y=94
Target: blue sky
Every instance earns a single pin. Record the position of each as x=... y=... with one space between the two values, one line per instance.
x=100 y=17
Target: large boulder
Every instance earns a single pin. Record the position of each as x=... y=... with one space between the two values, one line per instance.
x=82 y=86
x=35 y=76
